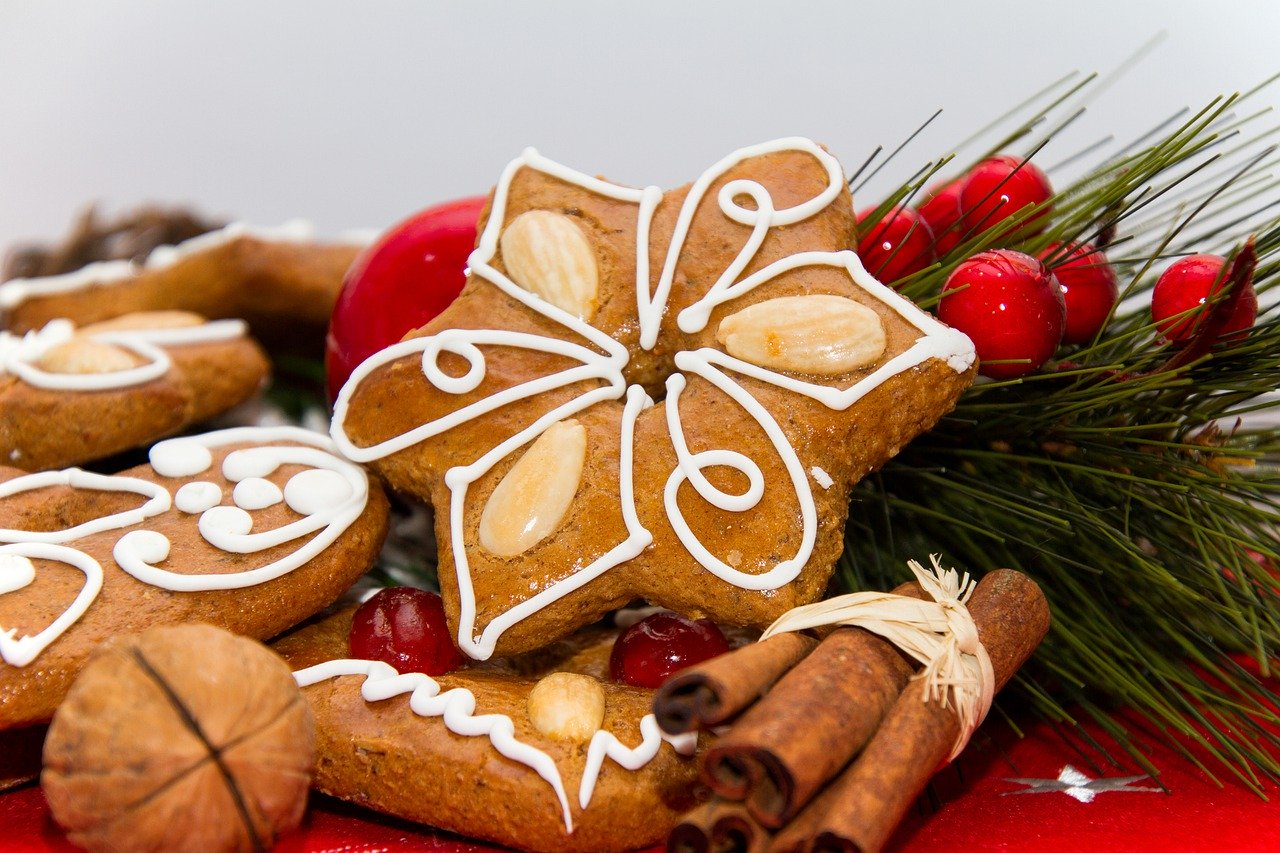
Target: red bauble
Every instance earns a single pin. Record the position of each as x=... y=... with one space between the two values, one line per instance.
x=406 y=628
x=400 y=283
x=1089 y=286
x=648 y=652
x=941 y=209
x=999 y=187
x=896 y=246
x=1011 y=306
x=1178 y=303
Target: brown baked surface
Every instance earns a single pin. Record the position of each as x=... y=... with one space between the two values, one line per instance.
x=274 y=285
x=42 y=428
x=126 y=605
x=383 y=756
x=846 y=444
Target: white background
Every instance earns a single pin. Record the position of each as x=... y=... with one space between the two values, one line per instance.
x=355 y=114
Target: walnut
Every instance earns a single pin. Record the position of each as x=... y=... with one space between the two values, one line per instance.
x=183 y=737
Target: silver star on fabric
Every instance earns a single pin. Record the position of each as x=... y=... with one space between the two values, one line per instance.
x=1075 y=784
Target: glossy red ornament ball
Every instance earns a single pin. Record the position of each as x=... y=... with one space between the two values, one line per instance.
x=400 y=283
x=1089 y=286
x=941 y=209
x=999 y=187
x=1179 y=300
x=406 y=628
x=648 y=652
x=1010 y=305
x=896 y=246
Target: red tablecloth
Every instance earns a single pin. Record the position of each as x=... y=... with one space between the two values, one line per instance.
x=1070 y=799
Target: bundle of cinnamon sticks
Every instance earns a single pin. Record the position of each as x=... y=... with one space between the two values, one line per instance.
x=829 y=743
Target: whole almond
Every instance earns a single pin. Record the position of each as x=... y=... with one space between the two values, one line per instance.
x=548 y=254
x=83 y=355
x=530 y=501
x=819 y=333
x=567 y=706
x=145 y=320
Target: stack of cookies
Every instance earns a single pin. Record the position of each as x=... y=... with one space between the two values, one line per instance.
x=640 y=399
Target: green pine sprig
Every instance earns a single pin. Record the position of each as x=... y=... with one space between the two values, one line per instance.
x=1137 y=485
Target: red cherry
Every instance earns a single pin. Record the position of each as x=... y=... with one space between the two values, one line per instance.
x=941 y=209
x=1089 y=286
x=1011 y=306
x=999 y=187
x=400 y=283
x=658 y=645
x=406 y=628
x=1178 y=300
x=896 y=246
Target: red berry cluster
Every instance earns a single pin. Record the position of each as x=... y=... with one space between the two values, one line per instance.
x=1018 y=309
x=905 y=241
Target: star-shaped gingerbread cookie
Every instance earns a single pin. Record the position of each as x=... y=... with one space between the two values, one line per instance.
x=640 y=394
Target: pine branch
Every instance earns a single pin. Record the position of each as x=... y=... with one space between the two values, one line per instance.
x=1121 y=477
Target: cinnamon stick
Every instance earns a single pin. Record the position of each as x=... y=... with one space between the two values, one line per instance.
x=706 y=695
x=861 y=809
x=789 y=744
x=718 y=826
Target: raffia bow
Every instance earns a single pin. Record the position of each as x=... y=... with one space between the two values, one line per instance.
x=940 y=634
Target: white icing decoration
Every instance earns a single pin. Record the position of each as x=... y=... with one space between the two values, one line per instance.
x=339 y=497
x=936 y=341
x=177 y=458
x=16 y=291
x=229 y=528
x=157 y=502
x=17 y=571
x=606 y=744
x=256 y=493
x=821 y=477
x=34 y=344
x=195 y=498
x=308 y=492
x=19 y=356
x=457 y=709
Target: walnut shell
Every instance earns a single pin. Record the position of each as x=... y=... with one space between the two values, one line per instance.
x=182 y=737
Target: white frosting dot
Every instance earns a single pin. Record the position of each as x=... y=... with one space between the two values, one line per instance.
x=149 y=546
x=180 y=458
x=254 y=462
x=16 y=571
x=315 y=490
x=230 y=520
x=822 y=478
x=194 y=498
x=256 y=493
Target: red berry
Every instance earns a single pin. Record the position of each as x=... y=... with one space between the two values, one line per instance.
x=400 y=283
x=999 y=187
x=658 y=645
x=1011 y=306
x=406 y=628
x=941 y=209
x=896 y=246
x=1089 y=286
x=1178 y=301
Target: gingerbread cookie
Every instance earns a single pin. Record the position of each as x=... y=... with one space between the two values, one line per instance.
x=250 y=529
x=543 y=752
x=639 y=394
x=72 y=395
x=275 y=278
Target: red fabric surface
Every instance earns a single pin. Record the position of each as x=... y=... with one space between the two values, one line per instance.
x=972 y=806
